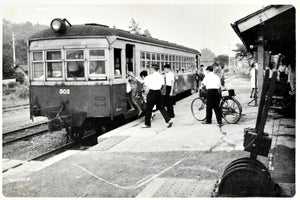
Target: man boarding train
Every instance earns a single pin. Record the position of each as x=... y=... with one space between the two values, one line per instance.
x=154 y=83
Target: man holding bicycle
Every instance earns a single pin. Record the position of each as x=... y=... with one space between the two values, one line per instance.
x=212 y=84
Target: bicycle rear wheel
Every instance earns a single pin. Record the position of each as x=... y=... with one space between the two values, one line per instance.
x=231 y=110
x=198 y=107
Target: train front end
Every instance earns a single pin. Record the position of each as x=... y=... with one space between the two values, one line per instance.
x=69 y=78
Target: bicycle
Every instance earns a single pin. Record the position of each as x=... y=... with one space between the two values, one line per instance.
x=231 y=109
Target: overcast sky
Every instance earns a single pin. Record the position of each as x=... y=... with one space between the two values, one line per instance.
x=192 y=23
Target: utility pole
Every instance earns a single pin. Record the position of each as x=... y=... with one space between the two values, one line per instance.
x=14 y=49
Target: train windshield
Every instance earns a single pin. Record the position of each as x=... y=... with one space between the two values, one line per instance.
x=75 y=63
x=69 y=64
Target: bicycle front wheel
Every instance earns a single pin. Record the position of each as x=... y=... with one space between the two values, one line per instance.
x=231 y=110
x=198 y=107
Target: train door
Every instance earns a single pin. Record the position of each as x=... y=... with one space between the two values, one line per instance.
x=130 y=59
x=136 y=101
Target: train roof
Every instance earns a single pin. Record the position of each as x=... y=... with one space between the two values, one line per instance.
x=102 y=30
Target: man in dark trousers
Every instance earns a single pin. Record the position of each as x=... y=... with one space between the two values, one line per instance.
x=169 y=97
x=154 y=83
x=212 y=84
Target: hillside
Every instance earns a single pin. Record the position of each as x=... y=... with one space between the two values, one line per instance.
x=22 y=32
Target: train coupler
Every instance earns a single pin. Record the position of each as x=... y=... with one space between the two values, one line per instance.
x=59 y=123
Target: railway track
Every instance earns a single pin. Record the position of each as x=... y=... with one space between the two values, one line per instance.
x=62 y=148
x=55 y=151
x=17 y=107
x=24 y=133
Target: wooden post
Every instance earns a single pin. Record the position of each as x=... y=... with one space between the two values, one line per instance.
x=260 y=62
x=14 y=49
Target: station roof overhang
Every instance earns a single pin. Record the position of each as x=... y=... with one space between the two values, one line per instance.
x=273 y=26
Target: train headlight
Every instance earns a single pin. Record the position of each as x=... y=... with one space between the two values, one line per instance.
x=58 y=25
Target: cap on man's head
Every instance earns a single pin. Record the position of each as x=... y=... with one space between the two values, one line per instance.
x=167 y=66
x=155 y=66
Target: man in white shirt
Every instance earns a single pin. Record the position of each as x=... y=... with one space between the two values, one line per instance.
x=153 y=84
x=168 y=98
x=213 y=84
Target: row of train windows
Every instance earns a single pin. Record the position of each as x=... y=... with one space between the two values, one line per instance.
x=175 y=66
x=165 y=57
x=178 y=63
x=50 y=64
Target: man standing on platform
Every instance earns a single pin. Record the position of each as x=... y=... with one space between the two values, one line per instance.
x=154 y=83
x=212 y=84
x=169 y=97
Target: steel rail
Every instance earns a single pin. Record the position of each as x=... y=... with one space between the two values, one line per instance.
x=24 y=137
x=23 y=128
x=48 y=154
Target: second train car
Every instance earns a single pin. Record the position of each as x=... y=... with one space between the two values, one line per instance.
x=78 y=72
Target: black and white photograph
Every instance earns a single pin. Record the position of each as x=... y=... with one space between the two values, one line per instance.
x=148 y=99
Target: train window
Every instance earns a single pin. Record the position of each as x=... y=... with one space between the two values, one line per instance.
x=176 y=65
x=37 y=56
x=142 y=55
x=97 y=54
x=97 y=67
x=54 y=64
x=97 y=64
x=158 y=56
x=54 y=70
x=74 y=54
x=37 y=65
x=148 y=55
x=54 y=55
x=38 y=70
x=162 y=57
x=75 y=63
x=152 y=56
x=148 y=64
x=75 y=69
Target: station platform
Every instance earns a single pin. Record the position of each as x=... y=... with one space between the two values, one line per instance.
x=185 y=160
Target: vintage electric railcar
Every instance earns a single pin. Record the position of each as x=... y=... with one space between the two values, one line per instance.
x=78 y=72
